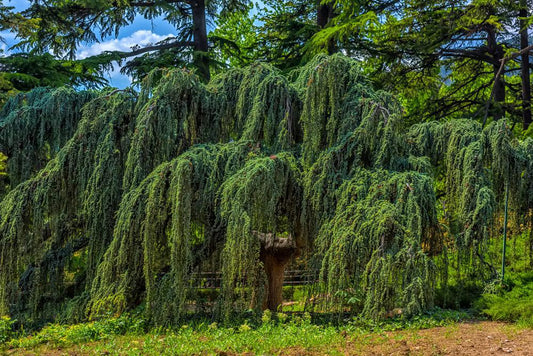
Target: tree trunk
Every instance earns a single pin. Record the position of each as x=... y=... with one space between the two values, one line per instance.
x=324 y=14
x=496 y=51
x=526 y=80
x=201 y=46
x=276 y=253
x=531 y=240
x=275 y=271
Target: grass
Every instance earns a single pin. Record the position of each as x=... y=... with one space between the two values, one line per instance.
x=122 y=334
x=265 y=335
x=67 y=335
x=6 y=327
x=264 y=339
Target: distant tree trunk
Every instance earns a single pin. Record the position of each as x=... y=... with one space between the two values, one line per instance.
x=496 y=51
x=526 y=80
x=200 y=38
x=324 y=14
x=531 y=240
x=276 y=253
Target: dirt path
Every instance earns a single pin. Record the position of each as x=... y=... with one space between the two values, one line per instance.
x=476 y=338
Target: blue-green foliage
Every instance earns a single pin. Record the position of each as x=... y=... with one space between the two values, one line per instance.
x=150 y=188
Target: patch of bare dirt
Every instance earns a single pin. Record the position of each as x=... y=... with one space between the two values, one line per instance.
x=475 y=338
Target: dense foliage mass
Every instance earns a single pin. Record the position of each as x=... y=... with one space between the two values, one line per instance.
x=185 y=177
x=35 y=125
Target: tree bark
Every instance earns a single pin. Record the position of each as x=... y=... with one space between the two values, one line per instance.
x=324 y=14
x=526 y=80
x=276 y=253
x=275 y=271
x=531 y=240
x=496 y=51
x=201 y=46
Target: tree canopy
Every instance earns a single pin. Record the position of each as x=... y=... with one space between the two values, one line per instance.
x=445 y=56
x=61 y=26
x=444 y=59
x=375 y=143
x=184 y=177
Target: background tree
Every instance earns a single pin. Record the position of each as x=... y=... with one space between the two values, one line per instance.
x=278 y=32
x=524 y=22
x=26 y=71
x=64 y=25
x=451 y=50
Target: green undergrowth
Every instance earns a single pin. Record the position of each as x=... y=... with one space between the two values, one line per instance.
x=68 y=335
x=6 y=329
x=433 y=318
x=512 y=302
x=273 y=330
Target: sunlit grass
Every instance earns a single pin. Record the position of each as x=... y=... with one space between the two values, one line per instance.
x=264 y=334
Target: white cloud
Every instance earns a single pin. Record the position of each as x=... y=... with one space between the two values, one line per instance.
x=124 y=44
x=141 y=38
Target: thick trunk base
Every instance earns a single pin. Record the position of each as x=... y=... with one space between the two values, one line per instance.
x=276 y=253
x=275 y=271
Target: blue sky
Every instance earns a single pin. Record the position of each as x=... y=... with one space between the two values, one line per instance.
x=141 y=32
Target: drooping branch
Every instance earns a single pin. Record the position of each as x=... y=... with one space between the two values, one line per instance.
x=240 y=175
x=478 y=54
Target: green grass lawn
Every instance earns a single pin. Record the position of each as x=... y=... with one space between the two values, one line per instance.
x=267 y=335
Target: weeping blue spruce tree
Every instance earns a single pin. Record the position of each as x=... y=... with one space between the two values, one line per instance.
x=140 y=192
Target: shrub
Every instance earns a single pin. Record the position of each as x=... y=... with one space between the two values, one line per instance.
x=6 y=329
x=65 y=335
x=515 y=304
